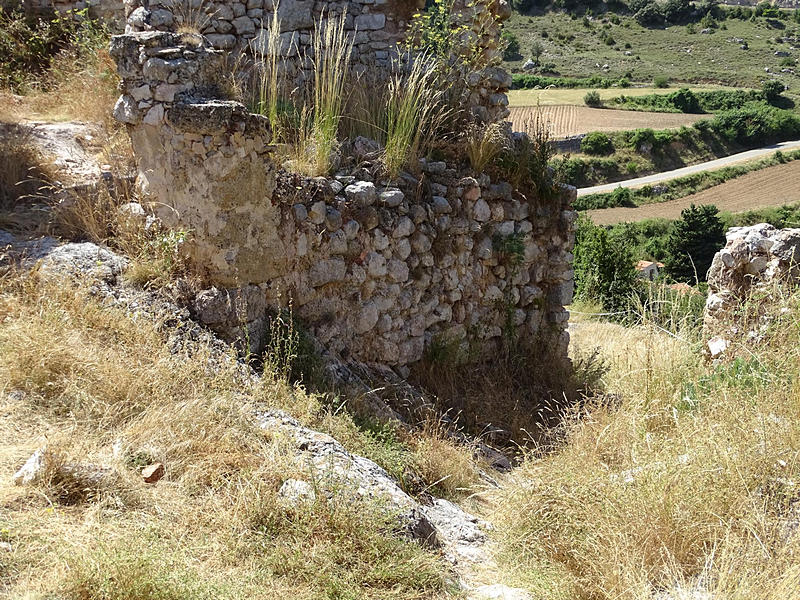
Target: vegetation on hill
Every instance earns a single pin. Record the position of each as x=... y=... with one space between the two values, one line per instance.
x=730 y=45
x=644 y=151
x=678 y=481
x=680 y=187
x=688 y=101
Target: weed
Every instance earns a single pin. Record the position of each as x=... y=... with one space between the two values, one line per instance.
x=414 y=112
x=484 y=145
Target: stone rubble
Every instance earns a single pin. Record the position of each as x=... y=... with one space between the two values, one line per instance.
x=755 y=259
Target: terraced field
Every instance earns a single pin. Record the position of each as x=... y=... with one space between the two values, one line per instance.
x=566 y=120
x=773 y=186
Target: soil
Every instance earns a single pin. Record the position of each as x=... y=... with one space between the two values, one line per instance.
x=566 y=120
x=773 y=186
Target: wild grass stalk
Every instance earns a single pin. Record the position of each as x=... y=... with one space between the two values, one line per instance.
x=332 y=49
x=267 y=51
x=414 y=112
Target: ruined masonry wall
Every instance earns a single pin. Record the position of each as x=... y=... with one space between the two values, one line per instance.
x=377 y=26
x=376 y=270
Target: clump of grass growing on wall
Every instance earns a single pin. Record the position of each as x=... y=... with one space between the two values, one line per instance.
x=414 y=112
x=267 y=51
x=332 y=52
x=484 y=145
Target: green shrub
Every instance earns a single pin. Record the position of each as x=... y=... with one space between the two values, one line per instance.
x=597 y=142
x=772 y=90
x=29 y=44
x=650 y=16
x=592 y=99
x=755 y=125
x=524 y=81
x=661 y=81
x=604 y=267
x=511 y=51
x=692 y=243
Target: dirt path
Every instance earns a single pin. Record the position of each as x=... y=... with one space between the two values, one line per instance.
x=706 y=166
x=568 y=119
x=773 y=186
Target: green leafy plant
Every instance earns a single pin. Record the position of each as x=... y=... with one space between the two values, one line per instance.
x=593 y=99
x=596 y=142
x=692 y=243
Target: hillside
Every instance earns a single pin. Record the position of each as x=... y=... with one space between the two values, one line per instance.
x=616 y=46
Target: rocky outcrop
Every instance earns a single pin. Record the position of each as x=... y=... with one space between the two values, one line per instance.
x=753 y=258
x=378 y=270
x=755 y=262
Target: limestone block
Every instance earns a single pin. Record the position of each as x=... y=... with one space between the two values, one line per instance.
x=327 y=271
x=370 y=21
x=361 y=192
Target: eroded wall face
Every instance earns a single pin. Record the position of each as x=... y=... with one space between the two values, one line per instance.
x=376 y=270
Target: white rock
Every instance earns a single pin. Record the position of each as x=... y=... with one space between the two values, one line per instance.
x=481 y=211
x=717 y=346
x=32 y=469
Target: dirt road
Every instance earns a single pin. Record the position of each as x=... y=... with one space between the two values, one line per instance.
x=706 y=166
x=773 y=186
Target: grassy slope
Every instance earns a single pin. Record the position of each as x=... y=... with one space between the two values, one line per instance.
x=673 y=52
x=688 y=472
x=86 y=377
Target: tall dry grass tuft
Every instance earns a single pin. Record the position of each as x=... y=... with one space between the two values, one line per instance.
x=680 y=480
x=23 y=171
x=268 y=72
x=322 y=113
x=484 y=145
x=103 y=216
x=415 y=112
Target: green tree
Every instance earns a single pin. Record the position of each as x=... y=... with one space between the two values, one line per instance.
x=692 y=243
x=772 y=90
x=604 y=266
x=511 y=51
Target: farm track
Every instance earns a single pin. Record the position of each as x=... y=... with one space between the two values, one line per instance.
x=773 y=186
x=567 y=120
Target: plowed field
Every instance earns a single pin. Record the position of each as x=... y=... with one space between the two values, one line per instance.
x=773 y=186
x=567 y=119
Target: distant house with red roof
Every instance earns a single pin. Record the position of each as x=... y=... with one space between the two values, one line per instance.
x=649 y=270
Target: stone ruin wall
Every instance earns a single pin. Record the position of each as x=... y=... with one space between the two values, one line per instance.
x=376 y=270
x=755 y=258
x=377 y=26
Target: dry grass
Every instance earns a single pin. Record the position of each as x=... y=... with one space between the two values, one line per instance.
x=103 y=388
x=509 y=399
x=484 y=145
x=23 y=171
x=568 y=120
x=685 y=477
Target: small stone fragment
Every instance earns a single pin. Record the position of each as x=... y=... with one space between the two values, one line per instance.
x=152 y=473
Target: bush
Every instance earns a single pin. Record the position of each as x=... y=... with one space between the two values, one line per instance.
x=676 y=11
x=661 y=81
x=592 y=99
x=772 y=90
x=755 y=125
x=650 y=16
x=511 y=51
x=685 y=101
x=527 y=82
x=29 y=45
x=604 y=267
x=597 y=142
